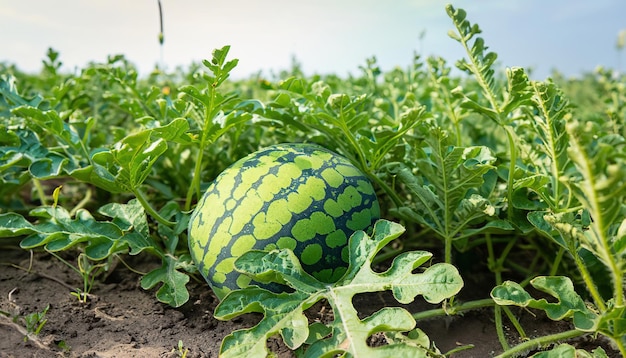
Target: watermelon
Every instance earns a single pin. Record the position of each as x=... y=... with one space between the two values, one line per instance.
x=298 y=196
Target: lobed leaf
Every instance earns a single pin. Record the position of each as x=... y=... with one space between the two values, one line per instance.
x=129 y=216
x=548 y=153
x=131 y=219
x=518 y=91
x=601 y=188
x=27 y=156
x=569 y=304
x=57 y=231
x=446 y=186
x=566 y=350
x=283 y=313
x=127 y=165
x=415 y=338
x=173 y=290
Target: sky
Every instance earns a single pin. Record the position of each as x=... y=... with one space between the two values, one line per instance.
x=324 y=36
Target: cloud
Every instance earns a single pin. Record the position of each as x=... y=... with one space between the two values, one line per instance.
x=15 y=16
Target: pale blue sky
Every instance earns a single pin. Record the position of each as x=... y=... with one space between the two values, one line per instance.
x=326 y=36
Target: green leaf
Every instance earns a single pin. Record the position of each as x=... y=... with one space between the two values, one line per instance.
x=11 y=96
x=219 y=66
x=50 y=167
x=562 y=228
x=129 y=216
x=480 y=64
x=602 y=191
x=173 y=290
x=565 y=350
x=518 y=90
x=8 y=137
x=388 y=319
x=549 y=113
x=569 y=304
x=600 y=162
x=57 y=231
x=31 y=155
x=137 y=153
x=317 y=331
x=532 y=191
x=445 y=98
x=445 y=186
x=613 y=323
x=127 y=165
x=284 y=312
x=100 y=176
x=501 y=103
x=13 y=224
x=52 y=123
x=415 y=338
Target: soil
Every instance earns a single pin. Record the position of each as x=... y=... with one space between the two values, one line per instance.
x=121 y=319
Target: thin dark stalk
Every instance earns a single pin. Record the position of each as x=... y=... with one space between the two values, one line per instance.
x=161 y=33
x=161 y=36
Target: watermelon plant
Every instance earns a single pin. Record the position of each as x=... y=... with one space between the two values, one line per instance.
x=509 y=182
x=347 y=334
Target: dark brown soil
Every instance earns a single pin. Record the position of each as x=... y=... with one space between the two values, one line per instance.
x=122 y=320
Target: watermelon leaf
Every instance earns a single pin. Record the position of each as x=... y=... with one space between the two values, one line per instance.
x=56 y=230
x=127 y=216
x=566 y=350
x=347 y=333
x=449 y=191
x=569 y=304
x=550 y=111
x=131 y=159
x=173 y=290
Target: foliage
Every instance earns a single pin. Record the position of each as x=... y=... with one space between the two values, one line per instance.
x=489 y=165
x=347 y=333
x=35 y=321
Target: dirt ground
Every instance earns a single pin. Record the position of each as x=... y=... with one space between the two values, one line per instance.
x=123 y=320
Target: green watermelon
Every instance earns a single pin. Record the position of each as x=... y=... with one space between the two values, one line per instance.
x=298 y=196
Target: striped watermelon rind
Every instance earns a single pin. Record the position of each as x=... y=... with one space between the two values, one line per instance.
x=298 y=196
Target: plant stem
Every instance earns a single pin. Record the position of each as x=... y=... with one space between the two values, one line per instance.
x=557 y=261
x=353 y=142
x=209 y=113
x=466 y=306
x=195 y=182
x=514 y=321
x=146 y=205
x=68 y=265
x=512 y=165
x=591 y=286
x=448 y=250
x=497 y=310
x=496 y=267
x=619 y=342
x=539 y=342
x=388 y=190
x=40 y=192
x=82 y=203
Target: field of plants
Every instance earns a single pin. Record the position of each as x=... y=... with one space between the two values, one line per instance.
x=503 y=201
